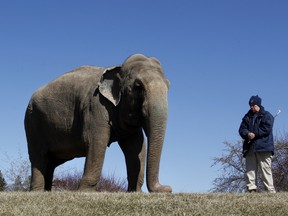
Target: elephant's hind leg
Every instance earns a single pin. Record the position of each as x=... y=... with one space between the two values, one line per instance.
x=38 y=165
x=37 y=179
x=39 y=162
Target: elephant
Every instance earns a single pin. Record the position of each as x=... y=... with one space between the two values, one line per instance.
x=82 y=112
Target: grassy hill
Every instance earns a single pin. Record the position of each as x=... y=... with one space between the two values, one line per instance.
x=79 y=203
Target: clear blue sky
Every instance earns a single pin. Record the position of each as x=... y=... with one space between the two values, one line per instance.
x=216 y=54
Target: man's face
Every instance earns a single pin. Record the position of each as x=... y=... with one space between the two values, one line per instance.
x=254 y=108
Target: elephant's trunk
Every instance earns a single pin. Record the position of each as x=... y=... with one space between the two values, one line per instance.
x=156 y=119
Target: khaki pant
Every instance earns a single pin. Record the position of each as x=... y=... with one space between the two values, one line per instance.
x=261 y=160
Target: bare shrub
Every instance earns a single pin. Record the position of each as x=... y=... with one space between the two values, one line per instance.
x=17 y=172
x=280 y=164
x=111 y=184
x=67 y=182
x=71 y=182
x=233 y=168
x=2 y=182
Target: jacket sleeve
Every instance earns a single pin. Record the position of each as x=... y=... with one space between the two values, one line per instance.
x=265 y=126
x=244 y=128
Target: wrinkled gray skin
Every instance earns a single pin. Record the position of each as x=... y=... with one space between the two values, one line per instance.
x=82 y=112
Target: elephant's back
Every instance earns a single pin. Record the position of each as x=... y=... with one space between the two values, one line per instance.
x=85 y=70
x=76 y=82
x=82 y=75
x=67 y=93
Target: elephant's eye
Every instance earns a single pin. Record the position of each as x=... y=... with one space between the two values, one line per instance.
x=137 y=88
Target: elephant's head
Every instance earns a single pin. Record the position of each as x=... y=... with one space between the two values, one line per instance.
x=140 y=88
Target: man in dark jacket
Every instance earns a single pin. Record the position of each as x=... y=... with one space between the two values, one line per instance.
x=256 y=129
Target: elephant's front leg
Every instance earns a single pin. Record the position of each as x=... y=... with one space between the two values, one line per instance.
x=134 y=149
x=96 y=148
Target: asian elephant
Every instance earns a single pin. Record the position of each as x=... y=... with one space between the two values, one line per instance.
x=83 y=111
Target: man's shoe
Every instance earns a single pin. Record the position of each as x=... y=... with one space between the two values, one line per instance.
x=252 y=191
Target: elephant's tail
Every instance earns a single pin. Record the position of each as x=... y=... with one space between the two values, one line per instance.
x=28 y=125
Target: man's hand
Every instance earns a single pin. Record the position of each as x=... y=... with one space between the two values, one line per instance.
x=251 y=136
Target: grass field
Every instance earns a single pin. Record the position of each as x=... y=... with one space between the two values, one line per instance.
x=79 y=203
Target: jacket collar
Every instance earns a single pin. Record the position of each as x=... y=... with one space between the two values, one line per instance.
x=260 y=113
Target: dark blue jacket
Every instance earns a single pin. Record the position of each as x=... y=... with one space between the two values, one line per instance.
x=262 y=128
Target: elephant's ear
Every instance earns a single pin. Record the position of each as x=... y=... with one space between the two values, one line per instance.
x=109 y=85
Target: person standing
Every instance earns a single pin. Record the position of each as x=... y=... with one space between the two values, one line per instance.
x=256 y=129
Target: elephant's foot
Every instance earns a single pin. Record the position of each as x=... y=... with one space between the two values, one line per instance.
x=40 y=188
x=138 y=189
x=37 y=186
x=87 y=186
x=135 y=187
x=158 y=188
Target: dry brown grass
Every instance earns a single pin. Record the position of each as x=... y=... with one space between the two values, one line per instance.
x=77 y=203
